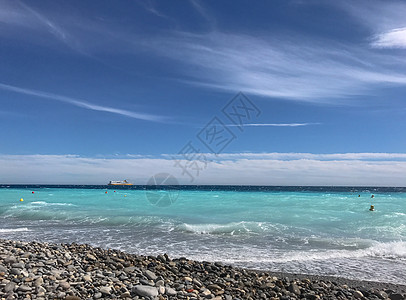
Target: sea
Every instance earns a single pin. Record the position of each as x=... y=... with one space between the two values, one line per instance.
x=307 y=230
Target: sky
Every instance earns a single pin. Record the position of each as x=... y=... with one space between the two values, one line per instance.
x=281 y=92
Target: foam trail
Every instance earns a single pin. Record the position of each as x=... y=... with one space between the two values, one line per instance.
x=9 y=230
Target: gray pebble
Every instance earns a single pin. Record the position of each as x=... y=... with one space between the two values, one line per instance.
x=9 y=287
x=159 y=283
x=18 y=265
x=38 y=282
x=150 y=275
x=24 y=288
x=170 y=291
x=15 y=271
x=106 y=290
x=145 y=291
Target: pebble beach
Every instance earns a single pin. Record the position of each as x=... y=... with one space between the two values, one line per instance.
x=33 y=270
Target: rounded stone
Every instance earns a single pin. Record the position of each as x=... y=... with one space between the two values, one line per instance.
x=9 y=287
x=145 y=291
x=105 y=290
x=15 y=271
x=150 y=275
x=38 y=282
x=159 y=283
x=170 y=291
x=24 y=288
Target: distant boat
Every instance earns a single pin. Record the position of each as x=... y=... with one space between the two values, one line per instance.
x=120 y=182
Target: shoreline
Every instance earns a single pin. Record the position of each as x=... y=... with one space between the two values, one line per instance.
x=80 y=271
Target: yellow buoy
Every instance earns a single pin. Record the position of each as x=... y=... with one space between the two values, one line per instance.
x=21 y=200
x=125 y=195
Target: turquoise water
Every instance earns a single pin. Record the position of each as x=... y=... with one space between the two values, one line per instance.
x=328 y=231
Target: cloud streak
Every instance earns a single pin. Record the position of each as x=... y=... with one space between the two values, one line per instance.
x=53 y=28
x=395 y=38
x=291 y=156
x=312 y=156
x=81 y=103
x=274 y=124
x=386 y=20
x=289 y=66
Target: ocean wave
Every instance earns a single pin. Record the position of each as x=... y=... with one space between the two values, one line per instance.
x=8 y=230
x=73 y=217
x=233 y=228
x=44 y=203
x=389 y=250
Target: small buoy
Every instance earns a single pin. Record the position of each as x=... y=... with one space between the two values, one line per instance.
x=125 y=195
x=105 y=192
x=372 y=208
x=32 y=192
x=114 y=191
x=21 y=200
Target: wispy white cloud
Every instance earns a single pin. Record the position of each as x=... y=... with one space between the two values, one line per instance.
x=286 y=66
x=149 y=6
x=345 y=169
x=274 y=124
x=20 y=19
x=395 y=38
x=301 y=156
x=20 y=14
x=82 y=103
x=377 y=16
x=56 y=30
x=385 y=20
x=203 y=12
x=312 y=156
x=291 y=68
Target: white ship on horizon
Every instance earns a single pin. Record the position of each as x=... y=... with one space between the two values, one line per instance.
x=119 y=182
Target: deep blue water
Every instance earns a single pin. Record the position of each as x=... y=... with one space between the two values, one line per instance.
x=316 y=230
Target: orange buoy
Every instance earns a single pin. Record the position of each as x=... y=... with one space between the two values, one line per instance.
x=105 y=192
x=32 y=192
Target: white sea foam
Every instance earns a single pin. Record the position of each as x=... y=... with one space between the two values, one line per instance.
x=44 y=203
x=391 y=250
x=9 y=230
x=229 y=228
x=38 y=202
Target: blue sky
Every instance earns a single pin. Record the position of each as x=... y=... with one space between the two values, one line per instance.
x=92 y=91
